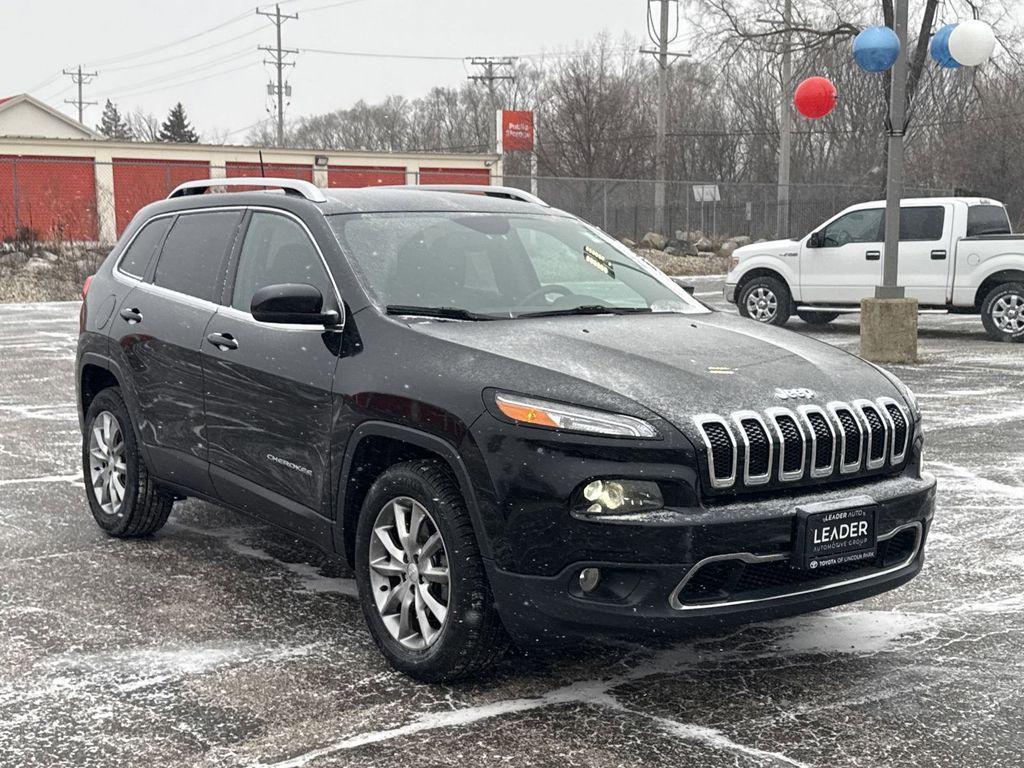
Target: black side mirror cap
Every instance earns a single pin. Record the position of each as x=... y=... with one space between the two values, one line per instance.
x=814 y=241
x=296 y=303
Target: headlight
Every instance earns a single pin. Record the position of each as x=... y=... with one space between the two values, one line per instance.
x=734 y=261
x=601 y=497
x=541 y=413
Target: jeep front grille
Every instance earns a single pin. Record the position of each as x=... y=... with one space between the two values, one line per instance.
x=749 y=448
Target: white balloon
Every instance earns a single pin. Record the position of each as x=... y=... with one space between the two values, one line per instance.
x=972 y=42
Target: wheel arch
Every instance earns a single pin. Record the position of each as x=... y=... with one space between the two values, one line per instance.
x=371 y=449
x=761 y=272
x=994 y=280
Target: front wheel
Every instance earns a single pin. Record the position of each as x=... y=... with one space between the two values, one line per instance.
x=813 y=317
x=422 y=585
x=1002 y=312
x=767 y=300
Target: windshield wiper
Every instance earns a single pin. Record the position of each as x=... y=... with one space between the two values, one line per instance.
x=448 y=313
x=588 y=309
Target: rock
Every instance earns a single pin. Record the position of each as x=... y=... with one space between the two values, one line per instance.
x=728 y=247
x=671 y=250
x=13 y=259
x=653 y=240
x=742 y=240
x=48 y=255
x=38 y=265
x=627 y=242
x=689 y=236
x=706 y=254
x=703 y=245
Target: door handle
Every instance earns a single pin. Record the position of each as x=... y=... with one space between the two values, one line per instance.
x=132 y=315
x=938 y=255
x=873 y=255
x=223 y=341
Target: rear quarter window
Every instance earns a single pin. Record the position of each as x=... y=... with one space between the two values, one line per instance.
x=136 y=257
x=987 y=220
x=192 y=259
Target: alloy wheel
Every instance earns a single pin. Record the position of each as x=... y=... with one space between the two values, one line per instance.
x=409 y=573
x=762 y=304
x=1008 y=313
x=108 y=469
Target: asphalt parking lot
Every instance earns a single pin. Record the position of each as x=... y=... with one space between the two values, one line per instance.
x=223 y=642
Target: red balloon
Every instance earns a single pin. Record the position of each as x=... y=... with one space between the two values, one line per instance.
x=815 y=97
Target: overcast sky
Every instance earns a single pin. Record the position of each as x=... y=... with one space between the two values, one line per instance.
x=136 y=45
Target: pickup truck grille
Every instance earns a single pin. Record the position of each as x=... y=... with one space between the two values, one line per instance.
x=746 y=449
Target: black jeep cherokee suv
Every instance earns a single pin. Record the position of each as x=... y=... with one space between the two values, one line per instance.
x=508 y=424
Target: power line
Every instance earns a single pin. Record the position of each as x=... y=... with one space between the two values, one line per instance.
x=278 y=53
x=372 y=55
x=80 y=78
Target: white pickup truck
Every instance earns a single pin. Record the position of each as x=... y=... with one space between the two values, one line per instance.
x=956 y=253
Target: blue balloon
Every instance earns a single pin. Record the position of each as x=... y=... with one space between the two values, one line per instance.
x=876 y=49
x=940 y=48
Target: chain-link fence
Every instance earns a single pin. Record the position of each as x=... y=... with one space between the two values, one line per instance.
x=721 y=209
x=67 y=199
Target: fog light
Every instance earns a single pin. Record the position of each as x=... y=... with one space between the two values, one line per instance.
x=622 y=496
x=589 y=579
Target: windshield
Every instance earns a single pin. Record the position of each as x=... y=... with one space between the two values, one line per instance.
x=475 y=266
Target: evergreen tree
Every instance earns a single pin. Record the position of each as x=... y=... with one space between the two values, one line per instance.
x=176 y=127
x=112 y=125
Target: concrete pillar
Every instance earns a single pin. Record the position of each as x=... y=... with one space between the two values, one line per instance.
x=888 y=330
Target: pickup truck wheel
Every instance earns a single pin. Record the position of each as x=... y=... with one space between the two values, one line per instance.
x=422 y=585
x=123 y=497
x=816 y=318
x=766 y=300
x=1002 y=312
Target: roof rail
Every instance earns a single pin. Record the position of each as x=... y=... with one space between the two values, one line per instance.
x=289 y=186
x=508 y=193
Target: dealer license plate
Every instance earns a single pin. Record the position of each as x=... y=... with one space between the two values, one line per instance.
x=834 y=536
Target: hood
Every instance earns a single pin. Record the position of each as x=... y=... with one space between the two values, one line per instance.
x=675 y=365
x=774 y=247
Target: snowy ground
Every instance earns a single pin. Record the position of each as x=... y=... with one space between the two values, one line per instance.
x=221 y=642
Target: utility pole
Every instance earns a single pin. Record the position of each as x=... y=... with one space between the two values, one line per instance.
x=661 y=39
x=785 y=124
x=896 y=125
x=278 y=53
x=80 y=78
x=492 y=69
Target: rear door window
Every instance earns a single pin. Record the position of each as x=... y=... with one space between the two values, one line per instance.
x=987 y=220
x=192 y=259
x=136 y=258
x=922 y=223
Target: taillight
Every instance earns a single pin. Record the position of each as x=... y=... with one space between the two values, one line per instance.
x=81 y=312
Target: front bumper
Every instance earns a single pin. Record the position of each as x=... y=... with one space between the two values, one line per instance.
x=729 y=292
x=658 y=599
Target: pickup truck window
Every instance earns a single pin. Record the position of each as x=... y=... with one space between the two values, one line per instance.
x=987 y=220
x=922 y=223
x=855 y=227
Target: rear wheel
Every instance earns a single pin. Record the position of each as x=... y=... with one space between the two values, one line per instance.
x=813 y=317
x=767 y=300
x=1002 y=312
x=421 y=580
x=124 y=499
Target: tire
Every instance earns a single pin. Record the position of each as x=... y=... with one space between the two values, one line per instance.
x=143 y=506
x=471 y=638
x=816 y=318
x=767 y=300
x=1002 y=313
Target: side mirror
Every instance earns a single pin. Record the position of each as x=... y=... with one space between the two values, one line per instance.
x=291 y=303
x=816 y=240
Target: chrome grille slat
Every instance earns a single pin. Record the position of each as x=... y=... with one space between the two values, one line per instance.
x=812 y=442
